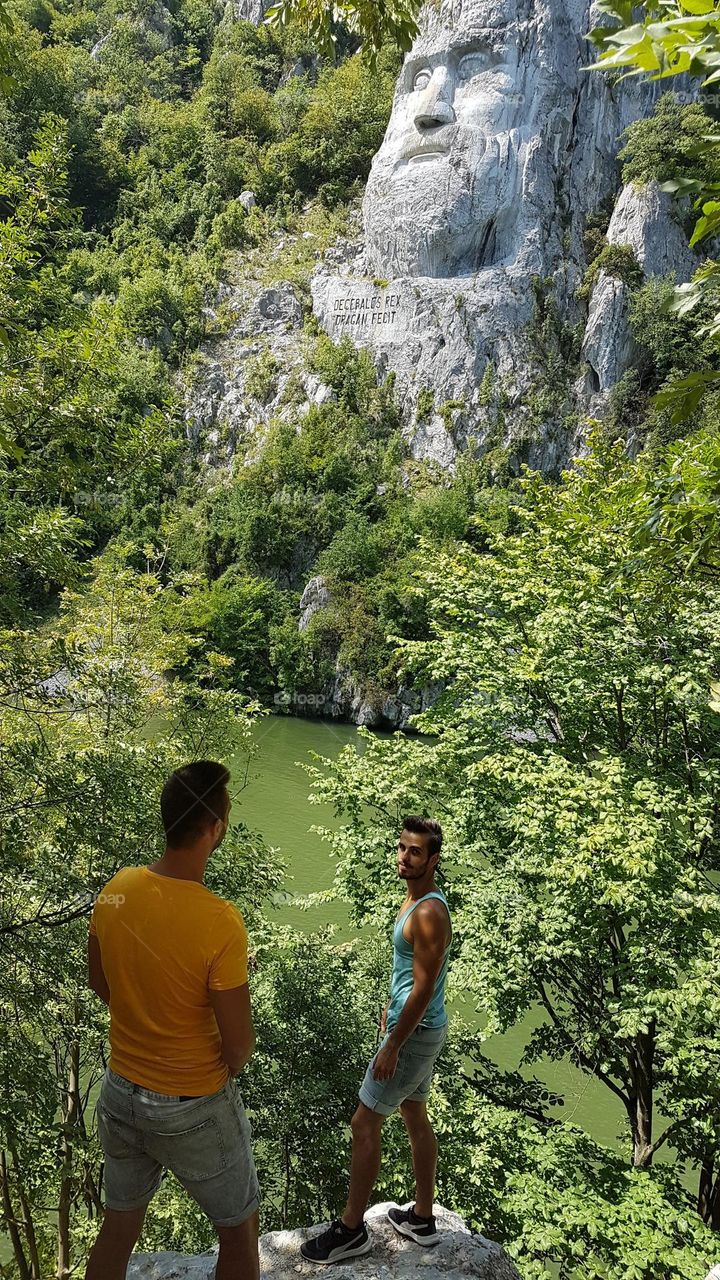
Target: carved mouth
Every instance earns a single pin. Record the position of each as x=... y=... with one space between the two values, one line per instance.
x=424 y=157
x=434 y=145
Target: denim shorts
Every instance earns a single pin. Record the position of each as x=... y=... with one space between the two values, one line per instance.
x=204 y=1141
x=413 y=1075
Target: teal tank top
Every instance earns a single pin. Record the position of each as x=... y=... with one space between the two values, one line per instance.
x=402 y=973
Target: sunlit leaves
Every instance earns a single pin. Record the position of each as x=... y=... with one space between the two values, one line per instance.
x=572 y=759
x=375 y=24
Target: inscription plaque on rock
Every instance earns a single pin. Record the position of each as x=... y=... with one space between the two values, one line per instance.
x=365 y=311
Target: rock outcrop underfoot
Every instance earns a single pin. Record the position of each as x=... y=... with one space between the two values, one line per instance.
x=460 y=1255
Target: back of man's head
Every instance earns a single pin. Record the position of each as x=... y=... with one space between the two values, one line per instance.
x=193 y=799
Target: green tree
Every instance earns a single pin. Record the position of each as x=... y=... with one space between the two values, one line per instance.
x=574 y=760
x=90 y=727
x=673 y=38
x=375 y=24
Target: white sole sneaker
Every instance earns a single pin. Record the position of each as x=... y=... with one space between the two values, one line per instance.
x=405 y=1230
x=340 y=1256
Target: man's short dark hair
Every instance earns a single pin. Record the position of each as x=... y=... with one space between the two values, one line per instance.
x=425 y=827
x=193 y=798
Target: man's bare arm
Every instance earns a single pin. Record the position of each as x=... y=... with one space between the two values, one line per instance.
x=234 y=1018
x=428 y=935
x=96 y=974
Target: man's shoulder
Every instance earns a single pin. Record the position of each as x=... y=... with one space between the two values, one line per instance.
x=227 y=912
x=431 y=915
x=113 y=894
x=122 y=879
x=431 y=907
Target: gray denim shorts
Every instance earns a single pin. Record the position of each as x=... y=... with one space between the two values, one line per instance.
x=413 y=1077
x=205 y=1142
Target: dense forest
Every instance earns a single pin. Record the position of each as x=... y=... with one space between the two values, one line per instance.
x=150 y=615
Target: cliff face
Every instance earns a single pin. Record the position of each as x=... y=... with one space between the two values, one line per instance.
x=464 y=274
x=458 y=1256
x=500 y=145
x=250 y=10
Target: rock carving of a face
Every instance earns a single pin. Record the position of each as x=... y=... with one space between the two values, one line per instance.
x=443 y=194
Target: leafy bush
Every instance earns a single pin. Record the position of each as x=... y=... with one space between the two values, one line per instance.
x=665 y=145
x=617 y=260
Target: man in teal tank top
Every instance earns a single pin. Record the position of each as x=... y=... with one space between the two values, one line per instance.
x=400 y=1074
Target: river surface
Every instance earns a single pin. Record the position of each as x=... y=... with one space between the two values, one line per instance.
x=275 y=803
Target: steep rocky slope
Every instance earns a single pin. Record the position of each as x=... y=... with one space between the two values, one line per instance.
x=465 y=272
x=500 y=147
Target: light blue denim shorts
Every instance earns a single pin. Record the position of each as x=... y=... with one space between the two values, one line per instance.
x=413 y=1077
x=205 y=1142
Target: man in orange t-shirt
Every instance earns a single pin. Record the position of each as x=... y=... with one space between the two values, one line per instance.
x=169 y=958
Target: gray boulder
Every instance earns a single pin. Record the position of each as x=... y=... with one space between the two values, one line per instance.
x=459 y=1256
x=278 y=305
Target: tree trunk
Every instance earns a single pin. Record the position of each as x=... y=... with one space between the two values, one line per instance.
x=28 y=1223
x=70 y=1118
x=715 y=1206
x=709 y=1192
x=286 y=1198
x=705 y=1188
x=641 y=1117
x=11 y=1222
x=93 y=1199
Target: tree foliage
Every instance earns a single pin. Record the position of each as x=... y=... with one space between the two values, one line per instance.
x=392 y=22
x=573 y=758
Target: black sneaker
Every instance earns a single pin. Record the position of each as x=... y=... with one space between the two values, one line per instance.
x=336 y=1243
x=408 y=1224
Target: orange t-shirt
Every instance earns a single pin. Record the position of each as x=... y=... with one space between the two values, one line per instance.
x=164 y=943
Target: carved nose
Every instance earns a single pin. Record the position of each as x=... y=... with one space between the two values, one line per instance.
x=434 y=108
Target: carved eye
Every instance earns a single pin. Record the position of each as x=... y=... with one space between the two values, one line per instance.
x=422 y=79
x=472 y=65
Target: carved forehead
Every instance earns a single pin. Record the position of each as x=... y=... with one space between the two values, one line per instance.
x=447 y=24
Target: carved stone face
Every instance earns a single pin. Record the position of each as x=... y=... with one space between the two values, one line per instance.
x=443 y=195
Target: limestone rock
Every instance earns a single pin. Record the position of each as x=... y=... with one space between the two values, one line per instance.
x=247 y=200
x=219 y=391
x=317 y=391
x=315 y=596
x=156 y=20
x=398 y=709
x=459 y=1256
x=344 y=699
x=305 y=65
x=250 y=11
x=99 y=46
x=646 y=219
x=607 y=344
x=277 y=305
x=498 y=147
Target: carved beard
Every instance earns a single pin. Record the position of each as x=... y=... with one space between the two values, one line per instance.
x=446 y=217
